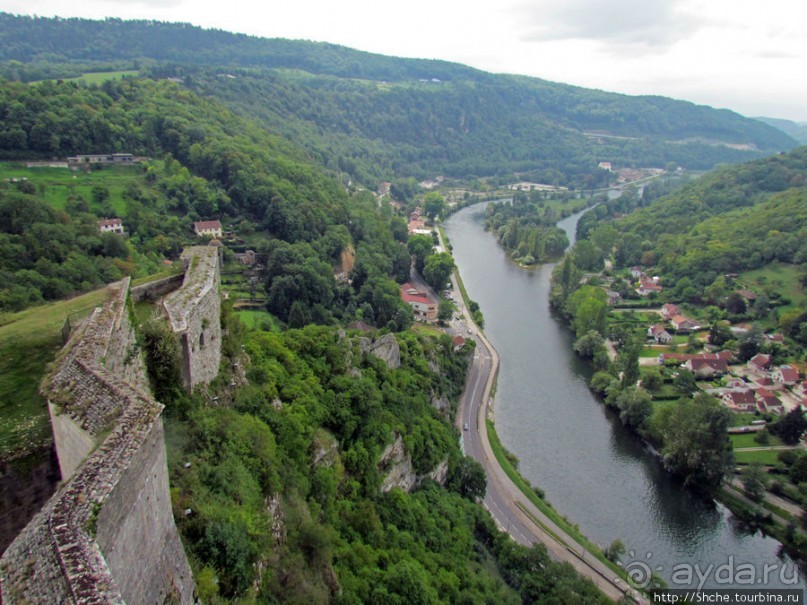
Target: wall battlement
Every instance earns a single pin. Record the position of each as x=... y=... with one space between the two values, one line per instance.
x=108 y=534
x=194 y=312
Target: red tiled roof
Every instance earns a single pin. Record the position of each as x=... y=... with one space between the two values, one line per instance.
x=205 y=225
x=741 y=397
x=410 y=293
x=109 y=222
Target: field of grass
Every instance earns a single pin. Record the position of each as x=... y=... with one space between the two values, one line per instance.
x=255 y=319
x=100 y=77
x=58 y=184
x=742 y=418
x=767 y=457
x=747 y=440
x=29 y=341
x=427 y=330
x=783 y=279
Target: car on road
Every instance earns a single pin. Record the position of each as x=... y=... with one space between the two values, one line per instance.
x=465 y=428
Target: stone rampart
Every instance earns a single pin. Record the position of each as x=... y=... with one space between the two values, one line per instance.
x=194 y=311
x=108 y=534
x=156 y=289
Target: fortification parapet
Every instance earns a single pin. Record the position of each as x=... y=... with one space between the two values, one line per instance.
x=108 y=534
x=194 y=312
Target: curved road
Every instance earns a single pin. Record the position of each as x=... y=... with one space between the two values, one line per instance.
x=511 y=510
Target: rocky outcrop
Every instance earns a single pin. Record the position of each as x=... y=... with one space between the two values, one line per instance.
x=396 y=463
x=385 y=348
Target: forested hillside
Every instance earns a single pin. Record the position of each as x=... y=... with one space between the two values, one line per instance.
x=738 y=228
x=277 y=487
x=284 y=485
x=734 y=219
x=208 y=163
x=376 y=118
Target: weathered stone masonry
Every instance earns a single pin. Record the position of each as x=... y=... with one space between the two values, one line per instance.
x=108 y=534
x=194 y=311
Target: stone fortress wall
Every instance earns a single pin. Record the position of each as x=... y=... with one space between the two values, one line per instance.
x=108 y=534
x=194 y=311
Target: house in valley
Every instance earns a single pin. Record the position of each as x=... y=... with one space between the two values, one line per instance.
x=785 y=375
x=207 y=228
x=660 y=334
x=423 y=306
x=760 y=362
x=740 y=400
x=110 y=225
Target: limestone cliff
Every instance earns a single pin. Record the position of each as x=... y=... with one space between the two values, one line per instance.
x=396 y=463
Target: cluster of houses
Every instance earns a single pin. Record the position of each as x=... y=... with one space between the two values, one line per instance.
x=756 y=386
x=764 y=388
x=674 y=319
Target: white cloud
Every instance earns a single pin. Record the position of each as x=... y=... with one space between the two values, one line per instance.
x=617 y=24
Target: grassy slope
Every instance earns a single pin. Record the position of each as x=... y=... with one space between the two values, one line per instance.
x=60 y=183
x=29 y=341
x=781 y=278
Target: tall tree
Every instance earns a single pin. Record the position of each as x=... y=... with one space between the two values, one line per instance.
x=696 y=443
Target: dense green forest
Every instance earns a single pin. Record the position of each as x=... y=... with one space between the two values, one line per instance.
x=284 y=483
x=526 y=226
x=732 y=220
x=377 y=118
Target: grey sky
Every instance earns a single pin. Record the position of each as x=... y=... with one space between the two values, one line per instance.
x=744 y=55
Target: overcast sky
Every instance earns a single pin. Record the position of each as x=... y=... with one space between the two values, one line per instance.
x=746 y=55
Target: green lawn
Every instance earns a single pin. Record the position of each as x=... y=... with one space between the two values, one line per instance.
x=58 y=184
x=256 y=319
x=747 y=440
x=29 y=341
x=427 y=329
x=768 y=457
x=743 y=418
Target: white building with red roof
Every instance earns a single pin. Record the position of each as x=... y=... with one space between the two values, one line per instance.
x=110 y=225
x=207 y=228
x=785 y=375
x=741 y=400
x=423 y=307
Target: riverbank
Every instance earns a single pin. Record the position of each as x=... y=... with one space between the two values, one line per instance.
x=599 y=475
x=530 y=520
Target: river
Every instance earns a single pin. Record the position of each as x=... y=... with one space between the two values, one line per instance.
x=591 y=469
